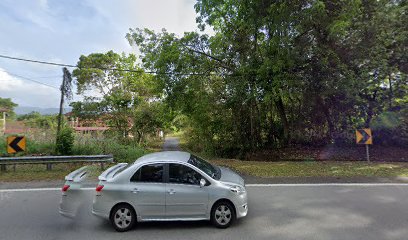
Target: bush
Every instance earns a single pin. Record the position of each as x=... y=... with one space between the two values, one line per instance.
x=65 y=141
x=121 y=152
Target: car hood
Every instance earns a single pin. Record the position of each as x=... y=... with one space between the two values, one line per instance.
x=229 y=176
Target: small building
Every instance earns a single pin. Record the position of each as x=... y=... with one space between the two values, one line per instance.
x=86 y=126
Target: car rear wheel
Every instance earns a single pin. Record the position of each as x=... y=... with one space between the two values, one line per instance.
x=123 y=217
x=222 y=214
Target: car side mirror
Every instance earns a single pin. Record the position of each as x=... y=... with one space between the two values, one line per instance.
x=203 y=182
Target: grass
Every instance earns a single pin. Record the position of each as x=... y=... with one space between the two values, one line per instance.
x=155 y=145
x=121 y=152
x=315 y=169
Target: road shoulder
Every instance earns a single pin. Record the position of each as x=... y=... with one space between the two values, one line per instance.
x=248 y=180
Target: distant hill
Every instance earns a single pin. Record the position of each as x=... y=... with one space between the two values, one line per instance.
x=43 y=111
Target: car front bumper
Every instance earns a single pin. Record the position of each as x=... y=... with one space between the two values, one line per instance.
x=241 y=205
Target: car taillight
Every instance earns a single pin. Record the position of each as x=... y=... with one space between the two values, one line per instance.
x=65 y=188
x=99 y=188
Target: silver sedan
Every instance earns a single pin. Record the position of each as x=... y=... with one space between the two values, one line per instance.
x=167 y=186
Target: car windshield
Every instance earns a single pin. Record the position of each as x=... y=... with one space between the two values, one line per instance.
x=205 y=166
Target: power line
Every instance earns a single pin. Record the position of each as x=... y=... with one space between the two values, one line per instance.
x=37 y=61
x=70 y=65
x=108 y=69
x=28 y=79
x=55 y=76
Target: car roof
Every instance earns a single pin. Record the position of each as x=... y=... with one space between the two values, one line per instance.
x=177 y=156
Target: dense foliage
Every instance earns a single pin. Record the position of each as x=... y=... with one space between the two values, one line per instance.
x=36 y=120
x=65 y=141
x=284 y=72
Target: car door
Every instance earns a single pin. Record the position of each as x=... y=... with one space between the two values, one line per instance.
x=147 y=190
x=184 y=196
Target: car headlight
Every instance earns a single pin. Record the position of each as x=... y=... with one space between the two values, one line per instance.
x=237 y=189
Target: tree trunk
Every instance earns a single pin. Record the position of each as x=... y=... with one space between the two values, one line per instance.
x=282 y=114
x=326 y=113
x=370 y=110
x=391 y=91
x=369 y=115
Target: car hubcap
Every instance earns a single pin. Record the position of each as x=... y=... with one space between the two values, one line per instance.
x=122 y=218
x=223 y=215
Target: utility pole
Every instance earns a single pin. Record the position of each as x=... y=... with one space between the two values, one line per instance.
x=61 y=106
x=66 y=91
x=4 y=122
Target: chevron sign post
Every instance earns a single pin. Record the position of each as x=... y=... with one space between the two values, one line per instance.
x=364 y=136
x=16 y=144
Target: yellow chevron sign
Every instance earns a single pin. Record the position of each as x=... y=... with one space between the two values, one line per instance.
x=364 y=136
x=16 y=144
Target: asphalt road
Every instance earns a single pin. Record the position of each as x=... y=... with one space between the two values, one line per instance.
x=171 y=144
x=275 y=212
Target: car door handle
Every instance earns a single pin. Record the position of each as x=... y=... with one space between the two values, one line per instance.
x=135 y=190
x=171 y=191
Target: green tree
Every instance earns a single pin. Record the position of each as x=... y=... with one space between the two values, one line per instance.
x=6 y=104
x=276 y=72
x=123 y=94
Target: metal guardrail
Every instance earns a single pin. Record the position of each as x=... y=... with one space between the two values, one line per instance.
x=49 y=160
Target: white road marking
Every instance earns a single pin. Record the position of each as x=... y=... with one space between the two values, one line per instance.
x=326 y=184
x=247 y=185
x=37 y=189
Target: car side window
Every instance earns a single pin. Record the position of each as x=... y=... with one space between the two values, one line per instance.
x=149 y=173
x=184 y=175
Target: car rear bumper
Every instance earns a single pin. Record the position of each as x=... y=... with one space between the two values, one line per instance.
x=100 y=208
x=100 y=214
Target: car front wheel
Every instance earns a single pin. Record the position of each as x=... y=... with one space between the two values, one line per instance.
x=222 y=214
x=123 y=217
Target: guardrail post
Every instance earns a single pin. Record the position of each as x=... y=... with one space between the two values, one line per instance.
x=102 y=166
x=49 y=166
x=3 y=168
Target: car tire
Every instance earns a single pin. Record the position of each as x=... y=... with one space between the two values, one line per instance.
x=123 y=217
x=222 y=214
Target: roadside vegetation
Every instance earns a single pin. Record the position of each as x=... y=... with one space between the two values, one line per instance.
x=31 y=172
x=278 y=74
x=82 y=145
x=315 y=169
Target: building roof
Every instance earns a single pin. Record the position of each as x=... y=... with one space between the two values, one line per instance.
x=90 y=128
x=165 y=156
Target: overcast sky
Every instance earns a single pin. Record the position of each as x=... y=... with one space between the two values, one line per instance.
x=60 y=31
